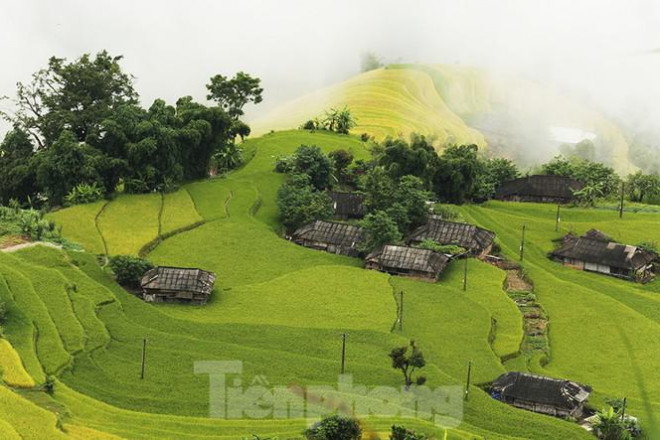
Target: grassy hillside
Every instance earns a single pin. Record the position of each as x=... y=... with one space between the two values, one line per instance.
x=459 y=105
x=602 y=329
x=391 y=101
x=277 y=307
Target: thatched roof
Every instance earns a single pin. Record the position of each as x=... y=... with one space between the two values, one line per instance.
x=179 y=279
x=445 y=232
x=558 y=187
x=339 y=234
x=348 y=204
x=540 y=389
x=408 y=259
x=595 y=247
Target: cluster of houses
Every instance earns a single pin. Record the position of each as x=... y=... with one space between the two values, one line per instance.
x=406 y=260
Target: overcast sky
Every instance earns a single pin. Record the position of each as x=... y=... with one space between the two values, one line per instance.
x=606 y=51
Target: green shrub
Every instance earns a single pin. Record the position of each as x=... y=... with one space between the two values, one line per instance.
x=84 y=193
x=129 y=270
x=335 y=427
x=401 y=433
x=443 y=249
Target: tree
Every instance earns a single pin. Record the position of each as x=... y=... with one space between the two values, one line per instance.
x=17 y=175
x=75 y=96
x=310 y=160
x=66 y=164
x=640 y=186
x=341 y=159
x=611 y=425
x=370 y=61
x=300 y=203
x=129 y=270
x=335 y=427
x=380 y=229
x=591 y=174
x=339 y=120
x=494 y=172
x=418 y=159
x=408 y=363
x=457 y=173
x=233 y=94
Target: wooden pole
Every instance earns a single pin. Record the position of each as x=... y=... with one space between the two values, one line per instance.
x=401 y=312
x=557 y=219
x=343 y=352
x=522 y=244
x=621 y=203
x=467 y=387
x=144 y=357
x=465 y=268
x=623 y=410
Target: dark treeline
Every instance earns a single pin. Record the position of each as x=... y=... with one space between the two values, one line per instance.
x=79 y=132
x=401 y=178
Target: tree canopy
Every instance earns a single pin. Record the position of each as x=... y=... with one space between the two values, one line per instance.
x=80 y=123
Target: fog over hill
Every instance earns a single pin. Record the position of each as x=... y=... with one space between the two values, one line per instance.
x=602 y=54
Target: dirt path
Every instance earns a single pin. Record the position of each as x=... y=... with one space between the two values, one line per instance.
x=18 y=247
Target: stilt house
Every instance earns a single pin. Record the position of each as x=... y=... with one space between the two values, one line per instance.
x=177 y=284
x=596 y=252
x=407 y=261
x=559 y=398
x=333 y=237
x=478 y=242
x=541 y=189
x=347 y=205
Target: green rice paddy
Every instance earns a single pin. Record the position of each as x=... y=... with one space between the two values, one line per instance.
x=281 y=309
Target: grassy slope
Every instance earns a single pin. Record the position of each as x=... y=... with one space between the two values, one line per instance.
x=389 y=101
x=278 y=307
x=439 y=101
x=602 y=329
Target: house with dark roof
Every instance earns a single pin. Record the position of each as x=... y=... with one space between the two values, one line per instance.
x=177 y=284
x=407 y=261
x=541 y=189
x=555 y=397
x=333 y=237
x=475 y=240
x=596 y=252
x=347 y=205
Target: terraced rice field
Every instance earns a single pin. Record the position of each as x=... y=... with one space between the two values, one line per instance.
x=281 y=309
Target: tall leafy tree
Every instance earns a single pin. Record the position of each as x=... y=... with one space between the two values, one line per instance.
x=233 y=94
x=457 y=173
x=310 y=160
x=17 y=175
x=300 y=203
x=55 y=166
x=75 y=96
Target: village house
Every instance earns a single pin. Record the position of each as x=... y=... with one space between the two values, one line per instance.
x=347 y=205
x=477 y=241
x=407 y=261
x=333 y=237
x=541 y=189
x=596 y=252
x=554 y=397
x=177 y=284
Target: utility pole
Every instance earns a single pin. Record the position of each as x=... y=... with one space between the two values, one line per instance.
x=522 y=244
x=465 y=274
x=343 y=352
x=144 y=357
x=401 y=312
x=467 y=387
x=621 y=203
x=557 y=219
